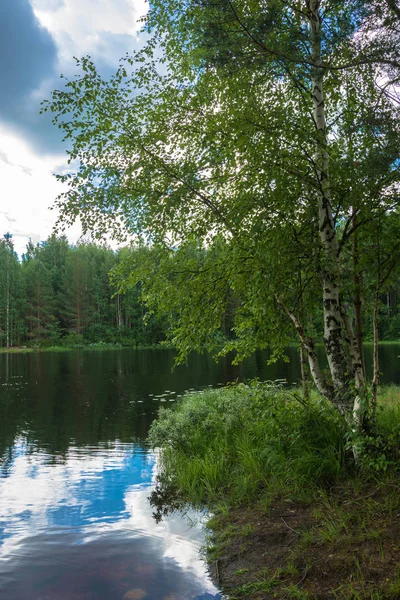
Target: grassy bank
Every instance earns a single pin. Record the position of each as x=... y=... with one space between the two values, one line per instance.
x=107 y=345
x=66 y=348
x=293 y=516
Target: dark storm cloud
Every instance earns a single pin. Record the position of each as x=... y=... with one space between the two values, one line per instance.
x=28 y=56
x=28 y=63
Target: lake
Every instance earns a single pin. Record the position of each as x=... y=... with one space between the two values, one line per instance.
x=75 y=473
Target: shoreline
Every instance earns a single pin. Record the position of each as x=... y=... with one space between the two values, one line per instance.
x=93 y=347
x=345 y=546
x=106 y=346
x=293 y=516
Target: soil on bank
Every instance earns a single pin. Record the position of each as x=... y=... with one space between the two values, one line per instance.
x=346 y=546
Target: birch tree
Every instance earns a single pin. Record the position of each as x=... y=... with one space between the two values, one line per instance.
x=229 y=126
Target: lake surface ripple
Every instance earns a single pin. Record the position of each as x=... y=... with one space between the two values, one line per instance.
x=75 y=476
x=75 y=473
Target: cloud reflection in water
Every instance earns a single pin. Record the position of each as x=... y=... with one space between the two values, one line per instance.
x=80 y=527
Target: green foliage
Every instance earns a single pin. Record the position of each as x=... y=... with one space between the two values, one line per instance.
x=73 y=340
x=242 y=440
x=40 y=306
x=12 y=294
x=62 y=295
x=206 y=144
x=236 y=443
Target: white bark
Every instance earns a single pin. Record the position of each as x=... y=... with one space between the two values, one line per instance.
x=354 y=350
x=357 y=368
x=308 y=345
x=333 y=323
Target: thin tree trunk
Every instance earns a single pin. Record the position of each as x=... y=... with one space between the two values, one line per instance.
x=39 y=321
x=375 y=379
x=305 y=384
x=358 y=371
x=354 y=352
x=8 y=302
x=8 y=312
x=357 y=298
x=119 y=314
x=308 y=343
x=333 y=323
x=78 y=319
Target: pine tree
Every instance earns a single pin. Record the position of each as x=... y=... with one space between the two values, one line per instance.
x=40 y=301
x=11 y=294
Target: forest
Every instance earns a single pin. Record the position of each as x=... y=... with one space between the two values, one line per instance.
x=66 y=295
x=62 y=295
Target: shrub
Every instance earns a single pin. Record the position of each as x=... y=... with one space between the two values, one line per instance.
x=243 y=439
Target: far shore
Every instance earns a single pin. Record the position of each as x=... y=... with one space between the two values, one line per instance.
x=90 y=347
x=116 y=346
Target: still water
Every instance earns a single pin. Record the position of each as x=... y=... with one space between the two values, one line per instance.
x=75 y=473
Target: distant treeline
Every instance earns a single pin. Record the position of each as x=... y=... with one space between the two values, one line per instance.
x=63 y=295
x=60 y=294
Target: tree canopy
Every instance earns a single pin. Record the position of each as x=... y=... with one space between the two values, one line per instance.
x=266 y=135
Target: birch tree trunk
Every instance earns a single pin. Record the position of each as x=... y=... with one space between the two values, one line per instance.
x=304 y=372
x=333 y=322
x=359 y=333
x=308 y=344
x=375 y=379
x=344 y=372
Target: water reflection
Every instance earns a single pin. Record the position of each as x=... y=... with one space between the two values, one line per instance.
x=75 y=474
x=82 y=527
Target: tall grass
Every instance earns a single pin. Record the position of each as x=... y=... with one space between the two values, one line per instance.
x=235 y=443
x=240 y=441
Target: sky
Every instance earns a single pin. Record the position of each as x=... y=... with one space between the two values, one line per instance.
x=38 y=42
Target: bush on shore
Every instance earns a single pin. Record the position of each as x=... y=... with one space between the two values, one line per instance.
x=294 y=517
x=234 y=442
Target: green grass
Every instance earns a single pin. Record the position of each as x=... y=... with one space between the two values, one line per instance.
x=86 y=347
x=241 y=450
x=237 y=442
x=389 y=400
x=232 y=444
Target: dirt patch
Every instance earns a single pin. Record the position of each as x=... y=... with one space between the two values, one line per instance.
x=344 y=546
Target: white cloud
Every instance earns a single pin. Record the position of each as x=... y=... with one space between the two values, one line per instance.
x=28 y=189
x=35 y=487
x=53 y=484
x=78 y=26
x=181 y=538
x=105 y=29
